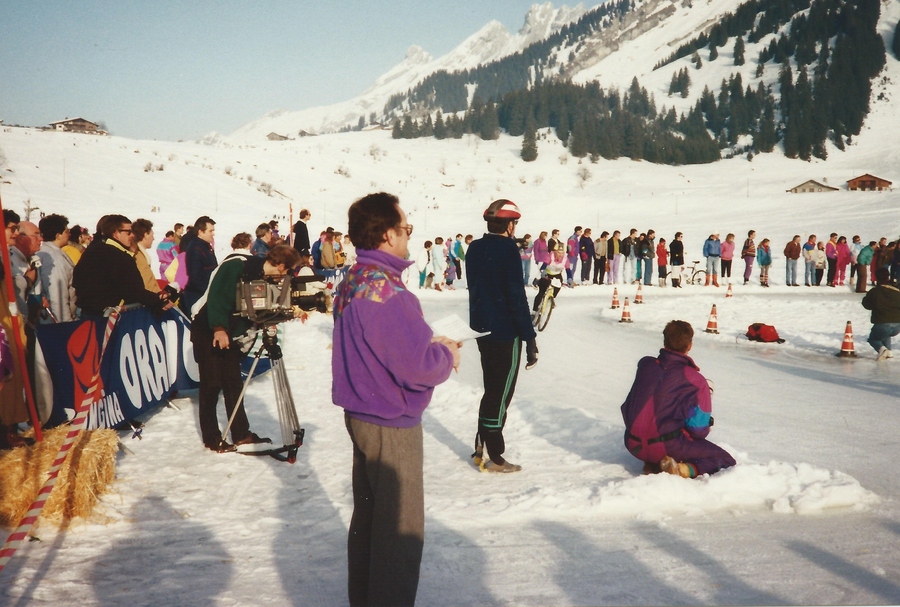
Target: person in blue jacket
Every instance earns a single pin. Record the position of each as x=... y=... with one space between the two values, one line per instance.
x=712 y=251
x=498 y=304
x=668 y=413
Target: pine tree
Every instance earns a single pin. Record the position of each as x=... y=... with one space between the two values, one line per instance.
x=739 y=51
x=895 y=46
x=529 y=141
x=490 y=123
x=396 y=133
x=713 y=52
x=409 y=129
x=579 y=142
x=440 y=131
x=562 y=127
x=698 y=62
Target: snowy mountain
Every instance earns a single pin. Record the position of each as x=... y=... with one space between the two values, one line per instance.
x=490 y=43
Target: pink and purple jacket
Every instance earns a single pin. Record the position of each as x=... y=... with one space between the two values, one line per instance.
x=166 y=252
x=669 y=397
x=541 y=253
x=384 y=365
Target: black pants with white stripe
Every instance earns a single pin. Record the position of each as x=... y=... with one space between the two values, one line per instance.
x=500 y=369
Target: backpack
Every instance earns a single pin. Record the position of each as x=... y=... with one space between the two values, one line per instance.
x=762 y=332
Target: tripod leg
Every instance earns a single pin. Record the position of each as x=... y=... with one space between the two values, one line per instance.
x=240 y=402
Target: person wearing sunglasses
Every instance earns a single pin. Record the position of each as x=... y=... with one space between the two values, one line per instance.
x=107 y=275
x=386 y=362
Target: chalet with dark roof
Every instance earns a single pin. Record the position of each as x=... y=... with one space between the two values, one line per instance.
x=869 y=183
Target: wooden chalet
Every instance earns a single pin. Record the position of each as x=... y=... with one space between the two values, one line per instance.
x=273 y=136
x=811 y=186
x=77 y=125
x=869 y=183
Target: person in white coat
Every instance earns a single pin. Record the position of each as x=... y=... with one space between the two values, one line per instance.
x=439 y=263
x=56 y=271
x=424 y=267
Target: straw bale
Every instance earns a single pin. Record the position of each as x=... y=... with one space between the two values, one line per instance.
x=86 y=474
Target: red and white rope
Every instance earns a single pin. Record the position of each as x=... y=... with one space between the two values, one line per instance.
x=16 y=538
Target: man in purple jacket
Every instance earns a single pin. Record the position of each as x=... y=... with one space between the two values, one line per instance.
x=385 y=364
x=668 y=411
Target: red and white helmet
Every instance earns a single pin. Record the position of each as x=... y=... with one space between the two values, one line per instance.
x=502 y=209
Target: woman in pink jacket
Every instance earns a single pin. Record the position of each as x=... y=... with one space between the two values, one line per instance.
x=843 y=259
x=727 y=257
x=541 y=254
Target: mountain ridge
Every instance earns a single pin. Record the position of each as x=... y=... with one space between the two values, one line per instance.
x=491 y=42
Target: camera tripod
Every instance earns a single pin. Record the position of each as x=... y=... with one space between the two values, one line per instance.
x=291 y=432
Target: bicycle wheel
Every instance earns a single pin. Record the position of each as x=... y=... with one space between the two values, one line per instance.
x=699 y=278
x=546 y=310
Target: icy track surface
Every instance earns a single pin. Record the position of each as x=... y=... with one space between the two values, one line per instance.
x=809 y=515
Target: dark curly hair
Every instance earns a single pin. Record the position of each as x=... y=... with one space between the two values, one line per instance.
x=370 y=217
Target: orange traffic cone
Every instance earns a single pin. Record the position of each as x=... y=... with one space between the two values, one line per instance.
x=847 y=347
x=728 y=293
x=639 y=297
x=713 y=325
x=615 y=301
x=626 y=314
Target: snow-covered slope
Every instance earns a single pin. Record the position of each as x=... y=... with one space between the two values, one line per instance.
x=811 y=514
x=490 y=43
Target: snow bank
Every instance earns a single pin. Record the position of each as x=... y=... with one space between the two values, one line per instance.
x=781 y=487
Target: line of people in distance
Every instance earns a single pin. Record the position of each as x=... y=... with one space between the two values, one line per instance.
x=612 y=259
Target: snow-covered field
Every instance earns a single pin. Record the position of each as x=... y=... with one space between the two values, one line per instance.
x=810 y=515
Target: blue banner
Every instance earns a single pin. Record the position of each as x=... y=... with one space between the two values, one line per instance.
x=146 y=360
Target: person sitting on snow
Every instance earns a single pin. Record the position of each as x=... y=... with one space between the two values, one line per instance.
x=668 y=411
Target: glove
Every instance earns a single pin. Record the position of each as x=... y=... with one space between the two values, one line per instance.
x=531 y=354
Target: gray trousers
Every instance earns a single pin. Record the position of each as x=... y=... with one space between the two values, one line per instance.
x=387 y=530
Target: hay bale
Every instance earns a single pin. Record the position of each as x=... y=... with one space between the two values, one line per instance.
x=86 y=474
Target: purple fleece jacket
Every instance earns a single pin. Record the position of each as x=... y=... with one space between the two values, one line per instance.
x=668 y=394
x=383 y=363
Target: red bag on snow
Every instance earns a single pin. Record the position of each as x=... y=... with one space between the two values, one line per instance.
x=763 y=332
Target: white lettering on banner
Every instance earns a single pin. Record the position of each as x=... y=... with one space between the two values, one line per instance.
x=105 y=413
x=143 y=366
x=159 y=366
x=128 y=371
x=170 y=331
x=187 y=357
x=143 y=362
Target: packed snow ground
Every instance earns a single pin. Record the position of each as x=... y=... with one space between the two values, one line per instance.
x=810 y=515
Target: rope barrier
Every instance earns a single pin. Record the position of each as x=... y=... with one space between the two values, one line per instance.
x=16 y=538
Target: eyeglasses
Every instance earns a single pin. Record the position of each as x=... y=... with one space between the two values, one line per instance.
x=13 y=227
x=408 y=227
x=125 y=231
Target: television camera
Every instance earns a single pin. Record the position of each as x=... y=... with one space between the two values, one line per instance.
x=270 y=301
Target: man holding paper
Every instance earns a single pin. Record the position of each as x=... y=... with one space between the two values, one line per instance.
x=497 y=304
x=385 y=364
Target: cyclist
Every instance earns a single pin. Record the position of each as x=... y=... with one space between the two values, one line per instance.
x=558 y=265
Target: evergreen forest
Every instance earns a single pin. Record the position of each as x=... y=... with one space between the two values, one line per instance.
x=826 y=60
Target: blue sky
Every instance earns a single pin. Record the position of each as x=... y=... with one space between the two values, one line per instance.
x=178 y=70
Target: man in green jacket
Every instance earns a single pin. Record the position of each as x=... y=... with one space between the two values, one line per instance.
x=213 y=333
x=884 y=301
x=862 y=266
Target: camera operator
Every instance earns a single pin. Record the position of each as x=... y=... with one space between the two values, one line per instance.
x=214 y=331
